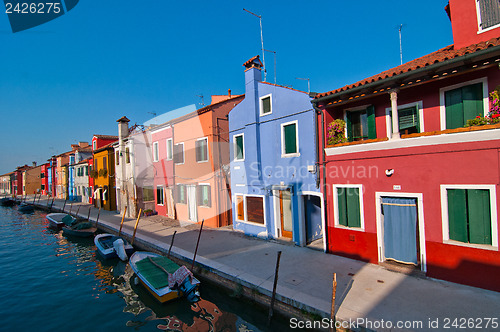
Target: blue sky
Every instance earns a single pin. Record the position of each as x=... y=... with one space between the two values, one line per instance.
x=73 y=77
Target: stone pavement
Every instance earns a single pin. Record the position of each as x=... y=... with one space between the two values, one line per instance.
x=368 y=294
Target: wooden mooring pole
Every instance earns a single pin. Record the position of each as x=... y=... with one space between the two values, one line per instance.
x=50 y=209
x=334 y=292
x=77 y=211
x=34 y=199
x=135 y=227
x=171 y=244
x=273 y=297
x=197 y=243
x=98 y=214
x=64 y=206
x=88 y=216
x=70 y=208
x=123 y=219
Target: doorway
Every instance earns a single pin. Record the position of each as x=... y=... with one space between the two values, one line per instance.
x=286 y=217
x=191 y=200
x=313 y=218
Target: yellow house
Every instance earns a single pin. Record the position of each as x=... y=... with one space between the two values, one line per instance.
x=104 y=178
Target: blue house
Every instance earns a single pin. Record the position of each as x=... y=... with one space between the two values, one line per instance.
x=273 y=162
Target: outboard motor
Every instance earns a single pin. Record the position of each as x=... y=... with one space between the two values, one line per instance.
x=189 y=291
x=119 y=246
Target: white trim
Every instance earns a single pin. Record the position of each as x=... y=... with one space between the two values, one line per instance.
x=493 y=211
x=421 y=224
x=163 y=194
x=156 y=151
x=246 y=212
x=235 y=146
x=465 y=137
x=336 y=207
x=183 y=156
x=388 y=120
x=261 y=108
x=478 y=16
x=297 y=153
x=208 y=158
x=323 y=221
x=171 y=148
x=442 y=106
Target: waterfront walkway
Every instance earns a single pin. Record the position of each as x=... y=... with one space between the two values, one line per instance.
x=364 y=291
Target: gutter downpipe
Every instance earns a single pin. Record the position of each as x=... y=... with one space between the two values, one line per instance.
x=321 y=165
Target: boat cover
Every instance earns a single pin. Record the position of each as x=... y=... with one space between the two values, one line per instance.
x=156 y=276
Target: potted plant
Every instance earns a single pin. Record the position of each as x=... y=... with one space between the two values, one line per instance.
x=336 y=132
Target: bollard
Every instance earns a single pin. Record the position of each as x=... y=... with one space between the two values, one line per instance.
x=171 y=243
x=197 y=243
x=135 y=227
x=123 y=219
x=274 y=289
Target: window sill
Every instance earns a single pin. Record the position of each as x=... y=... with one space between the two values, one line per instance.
x=357 y=229
x=359 y=142
x=202 y=161
x=488 y=29
x=471 y=245
x=290 y=155
x=453 y=131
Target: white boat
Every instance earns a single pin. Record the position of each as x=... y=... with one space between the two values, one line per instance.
x=164 y=279
x=57 y=220
x=112 y=246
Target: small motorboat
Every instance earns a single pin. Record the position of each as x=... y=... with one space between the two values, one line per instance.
x=7 y=201
x=26 y=208
x=77 y=227
x=164 y=279
x=112 y=246
x=58 y=220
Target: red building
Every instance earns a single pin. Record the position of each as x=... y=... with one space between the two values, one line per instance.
x=413 y=185
x=44 y=176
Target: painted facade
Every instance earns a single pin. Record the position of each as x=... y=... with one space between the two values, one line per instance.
x=44 y=178
x=32 y=182
x=80 y=151
x=6 y=184
x=273 y=162
x=412 y=185
x=98 y=142
x=104 y=178
x=201 y=155
x=82 y=187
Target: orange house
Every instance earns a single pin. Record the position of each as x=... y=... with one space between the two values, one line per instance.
x=201 y=152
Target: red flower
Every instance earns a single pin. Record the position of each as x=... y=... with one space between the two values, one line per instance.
x=494 y=116
x=478 y=117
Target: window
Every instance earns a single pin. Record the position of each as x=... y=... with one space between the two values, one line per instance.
x=240 y=208
x=104 y=163
x=181 y=193
x=43 y=187
x=348 y=206
x=201 y=146
x=469 y=215
x=148 y=194
x=239 y=147
x=170 y=152
x=159 y=195
x=94 y=145
x=408 y=120
x=179 y=153
x=204 y=195
x=127 y=155
x=155 y=152
x=289 y=139
x=265 y=105
x=96 y=165
x=87 y=170
x=462 y=104
x=117 y=157
x=360 y=124
x=489 y=13
x=255 y=209
x=42 y=175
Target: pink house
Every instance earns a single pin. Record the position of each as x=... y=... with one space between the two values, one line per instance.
x=163 y=165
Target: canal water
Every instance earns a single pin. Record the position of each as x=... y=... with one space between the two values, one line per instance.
x=52 y=283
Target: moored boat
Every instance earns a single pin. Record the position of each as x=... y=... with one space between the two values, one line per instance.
x=112 y=246
x=164 y=279
x=77 y=227
x=26 y=208
x=7 y=201
x=57 y=220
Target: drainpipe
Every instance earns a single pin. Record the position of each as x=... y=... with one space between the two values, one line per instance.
x=321 y=164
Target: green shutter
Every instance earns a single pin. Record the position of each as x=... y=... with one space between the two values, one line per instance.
x=348 y=123
x=290 y=138
x=472 y=96
x=353 y=209
x=372 y=128
x=239 y=147
x=478 y=204
x=454 y=109
x=457 y=214
x=341 y=194
x=408 y=118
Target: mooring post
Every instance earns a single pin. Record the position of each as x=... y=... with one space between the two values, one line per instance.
x=271 y=307
x=171 y=244
x=34 y=199
x=64 y=206
x=197 y=243
x=70 y=208
x=48 y=200
x=98 y=214
x=332 y=312
x=88 y=216
x=39 y=196
x=77 y=211
x=135 y=227
x=51 y=204
x=123 y=219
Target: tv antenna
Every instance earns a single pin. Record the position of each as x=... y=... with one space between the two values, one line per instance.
x=153 y=113
x=261 y=40
x=308 y=83
x=274 y=64
x=400 y=44
x=202 y=102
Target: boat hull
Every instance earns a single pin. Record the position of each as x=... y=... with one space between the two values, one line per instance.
x=88 y=232
x=104 y=244
x=55 y=220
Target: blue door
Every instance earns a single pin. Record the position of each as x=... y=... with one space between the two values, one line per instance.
x=314 y=229
x=400 y=229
